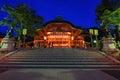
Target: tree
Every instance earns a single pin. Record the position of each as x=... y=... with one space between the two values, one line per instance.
x=113 y=18
x=9 y=20
x=103 y=12
x=21 y=16
x=110 y=5
x=28 y=18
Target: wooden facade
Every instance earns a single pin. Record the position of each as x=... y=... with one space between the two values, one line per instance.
x=59 y=34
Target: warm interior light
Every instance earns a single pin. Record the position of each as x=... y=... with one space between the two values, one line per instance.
x=48 y=32
x=45 y=38
x=72 y=37
x=69 y=33
x=58 y=36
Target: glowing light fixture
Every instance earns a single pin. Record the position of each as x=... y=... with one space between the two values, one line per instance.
x=72 y=37
x=94 y=41
x=91 y=31
x=45 y=38
x=48 y=32
x=69 y=33
x=95 y=31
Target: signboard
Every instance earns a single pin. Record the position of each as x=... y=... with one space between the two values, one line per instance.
x=24 y=31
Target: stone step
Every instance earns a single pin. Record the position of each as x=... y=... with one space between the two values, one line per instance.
x=99 y=67
x=54 y=56
x=57 y=63
x=46 y=56
x=54 y=59
x=58 y=58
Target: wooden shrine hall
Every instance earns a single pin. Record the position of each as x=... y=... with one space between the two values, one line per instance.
x=59 y=33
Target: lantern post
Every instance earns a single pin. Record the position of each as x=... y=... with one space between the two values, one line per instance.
x=24 y=32
x=91 y=33
x=96 y=34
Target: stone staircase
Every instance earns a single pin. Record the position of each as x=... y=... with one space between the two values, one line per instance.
x=58 y=58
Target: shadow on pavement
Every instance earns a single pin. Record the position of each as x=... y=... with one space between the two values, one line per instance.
x=114 y=73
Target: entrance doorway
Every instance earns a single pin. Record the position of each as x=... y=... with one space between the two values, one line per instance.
x=59 y=40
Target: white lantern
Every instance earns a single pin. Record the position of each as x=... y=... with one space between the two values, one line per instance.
x=96 y=32
x=91 y=31
x=24 y=31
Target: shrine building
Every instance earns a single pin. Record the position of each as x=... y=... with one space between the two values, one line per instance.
x=59 y=33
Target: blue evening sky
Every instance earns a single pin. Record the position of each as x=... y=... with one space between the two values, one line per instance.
x=78 y=12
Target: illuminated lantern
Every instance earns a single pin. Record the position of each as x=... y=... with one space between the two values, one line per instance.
x=24 y=31
x=96 y=32
x=91 y=31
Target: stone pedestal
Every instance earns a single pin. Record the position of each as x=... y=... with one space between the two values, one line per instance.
x=109 y=45
x=7 y=44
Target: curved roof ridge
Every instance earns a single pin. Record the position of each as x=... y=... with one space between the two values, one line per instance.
x=59 y=19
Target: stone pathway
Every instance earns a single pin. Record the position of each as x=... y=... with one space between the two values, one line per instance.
x=54 y=74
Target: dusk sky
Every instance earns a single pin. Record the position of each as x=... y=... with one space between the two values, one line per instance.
x=78 y=12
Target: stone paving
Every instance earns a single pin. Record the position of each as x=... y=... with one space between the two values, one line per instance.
x=54 y=74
